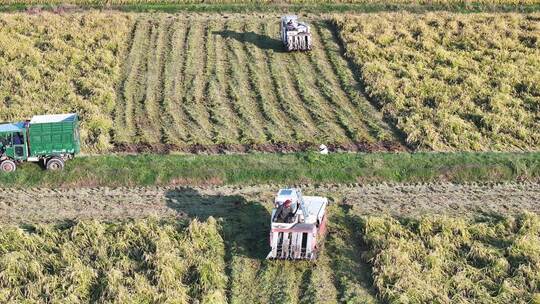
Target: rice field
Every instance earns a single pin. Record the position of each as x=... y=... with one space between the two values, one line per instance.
x=53 y=63
x=455 y=260
x=208 y=80
x=184 y=80
x=452 y=82
x=137 y=262
x=207 y=245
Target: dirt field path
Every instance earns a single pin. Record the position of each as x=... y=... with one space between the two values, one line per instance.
x=46 y=205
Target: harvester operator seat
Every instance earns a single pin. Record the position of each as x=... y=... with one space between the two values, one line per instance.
x=291 y=24
x=285 y=212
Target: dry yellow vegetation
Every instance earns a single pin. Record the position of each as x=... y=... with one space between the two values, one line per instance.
x=182 y=80
x=452 y=81
x=444 y=243
x=63 y=63
x=456 y=260
x=143 y=261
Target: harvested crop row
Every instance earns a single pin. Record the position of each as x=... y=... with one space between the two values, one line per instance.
x=41 y=205
x=178 y=81
x=228 y=81
x=449 y=81
x=63 y=63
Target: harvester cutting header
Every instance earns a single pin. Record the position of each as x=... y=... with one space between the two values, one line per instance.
x=295 y=35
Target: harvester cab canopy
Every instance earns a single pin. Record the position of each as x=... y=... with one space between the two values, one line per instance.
x=292 y=24
x=284 y=195
x=309 y=211
x=286 y=206
x=291 y=21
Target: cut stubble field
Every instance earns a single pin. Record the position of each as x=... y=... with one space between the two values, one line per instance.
x=227 y=82
x=193 y=83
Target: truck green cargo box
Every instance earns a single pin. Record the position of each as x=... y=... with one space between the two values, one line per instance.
x=54 y=134
x=51 y=139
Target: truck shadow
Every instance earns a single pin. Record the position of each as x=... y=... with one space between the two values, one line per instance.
x=245 y=224
x=261 y=41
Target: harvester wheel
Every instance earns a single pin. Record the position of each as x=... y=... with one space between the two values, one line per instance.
x=8 y=166
x=55 y=164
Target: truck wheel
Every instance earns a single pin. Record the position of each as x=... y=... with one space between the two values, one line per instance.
x=55 y=164
x=8 y=166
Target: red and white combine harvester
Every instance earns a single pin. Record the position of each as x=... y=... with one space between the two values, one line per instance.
x=298 y=225
x=295 y=35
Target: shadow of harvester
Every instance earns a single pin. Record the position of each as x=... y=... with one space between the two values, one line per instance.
x=244 y=224
x=261 y=41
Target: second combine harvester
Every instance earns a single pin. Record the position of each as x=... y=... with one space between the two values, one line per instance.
x=295 y=35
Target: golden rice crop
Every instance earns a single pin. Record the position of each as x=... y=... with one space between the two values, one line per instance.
x=452 y=81
x=489 y=259
x=63 y=63
x=143 y=261
x=455 y=260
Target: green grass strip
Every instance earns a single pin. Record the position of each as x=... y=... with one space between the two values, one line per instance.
x=295 y=168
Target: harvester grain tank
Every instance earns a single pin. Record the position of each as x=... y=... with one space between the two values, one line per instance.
x=51 y=139
x=296 y=36
x=298 y=225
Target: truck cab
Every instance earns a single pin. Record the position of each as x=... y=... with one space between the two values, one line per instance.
x=51 y=139
x=13 y=141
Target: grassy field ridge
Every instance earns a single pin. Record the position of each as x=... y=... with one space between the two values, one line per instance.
x=294 y=168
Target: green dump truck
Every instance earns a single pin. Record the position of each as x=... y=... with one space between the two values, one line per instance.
x=49 y=139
